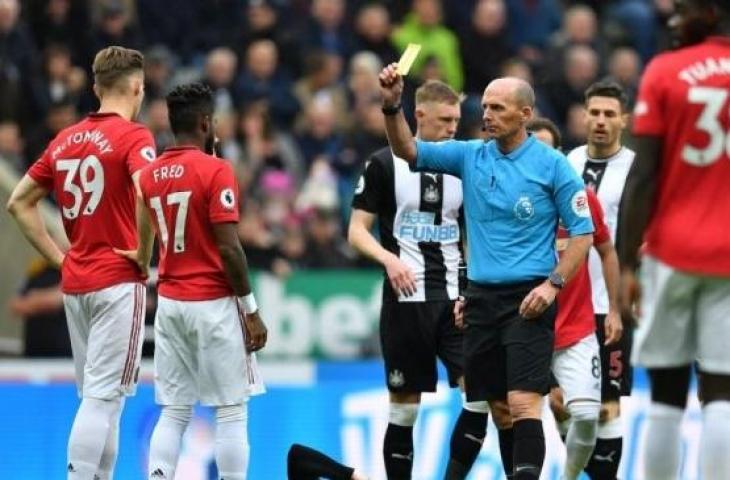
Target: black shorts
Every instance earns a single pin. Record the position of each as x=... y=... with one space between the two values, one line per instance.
x=412 y=335
x=618 y=376
x=503 y=351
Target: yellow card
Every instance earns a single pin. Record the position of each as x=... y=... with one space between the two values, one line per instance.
x=407 y=59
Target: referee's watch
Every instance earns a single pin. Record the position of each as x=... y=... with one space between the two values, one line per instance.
x=556 y=280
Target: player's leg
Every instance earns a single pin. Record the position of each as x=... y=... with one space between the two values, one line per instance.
x=557 y=407
x=478 y=342
x=176 y=365
x=111 y=448
x=304 y=463
x=410 y=368
x=578 y=371
x=529 y=349
x=112 y=359
x=616 y=381
x=222 y=359
x=665 y=343
x=713 y=316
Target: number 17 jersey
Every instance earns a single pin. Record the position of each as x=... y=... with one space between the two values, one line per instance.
x=186 y=192
x=89 y=167
x=684 y=98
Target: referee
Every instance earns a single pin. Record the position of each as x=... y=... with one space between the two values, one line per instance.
x=515 y=190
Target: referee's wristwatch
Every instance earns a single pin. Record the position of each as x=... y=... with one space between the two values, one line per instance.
x=556 y=280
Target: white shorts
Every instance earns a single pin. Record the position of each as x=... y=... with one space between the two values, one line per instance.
x=107 y=330
x=577 y=369
x=684 y=318
x=200 y=354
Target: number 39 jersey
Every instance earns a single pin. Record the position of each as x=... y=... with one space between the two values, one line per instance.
x=684 y=98
x=89 y=167
x=187 y=192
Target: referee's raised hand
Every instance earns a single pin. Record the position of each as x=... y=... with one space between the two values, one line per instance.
x=400 y=275
x=391 y=85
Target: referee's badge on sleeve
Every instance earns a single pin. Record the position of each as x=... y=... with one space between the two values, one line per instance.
x=579 y=203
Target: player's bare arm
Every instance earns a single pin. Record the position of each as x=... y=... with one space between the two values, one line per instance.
x=23 y=206
x=634 y=214
x=612 y=278
x=399 y=133
x=145 y=233
x=236 y=269
x=399 y=274
x=542 y=296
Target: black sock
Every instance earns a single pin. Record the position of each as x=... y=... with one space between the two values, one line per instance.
x=398 y=452
x=529 y=445
x=605 y=460
x=506 y=449
x=304 y=463
x=466 y=442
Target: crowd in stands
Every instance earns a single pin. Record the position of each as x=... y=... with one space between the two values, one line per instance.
x=296 y=89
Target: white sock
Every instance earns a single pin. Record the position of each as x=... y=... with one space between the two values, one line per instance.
x=714 y=459
x=662 y=442
x=109 y=455
x=231 y=441
x=582 y=434
x=166 y=440
x=93 y=421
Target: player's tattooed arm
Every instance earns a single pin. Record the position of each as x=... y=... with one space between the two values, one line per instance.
x=23 y=206
x=637 y=203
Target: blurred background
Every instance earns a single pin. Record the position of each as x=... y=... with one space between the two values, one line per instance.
x=298 y=113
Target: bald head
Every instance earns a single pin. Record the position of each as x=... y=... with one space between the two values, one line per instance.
x=515 y=89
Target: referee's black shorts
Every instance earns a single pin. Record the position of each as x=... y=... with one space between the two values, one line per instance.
x=503 y=351
x=412 y=336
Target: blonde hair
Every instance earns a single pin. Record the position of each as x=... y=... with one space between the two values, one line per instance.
x=436 y=91
x=114 y=64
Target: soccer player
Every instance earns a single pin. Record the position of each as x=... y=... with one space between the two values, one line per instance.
x=420 y=249
x=515 y=190
x=207 y=320
x=92 y=167
x=676 y=201
x=604 y=163
x=576 y=361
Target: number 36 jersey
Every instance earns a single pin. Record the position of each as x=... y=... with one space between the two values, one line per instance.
x=186 y=192
x=684 y=98
x=89 y=167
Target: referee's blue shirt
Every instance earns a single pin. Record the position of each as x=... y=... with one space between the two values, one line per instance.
x=512 y=203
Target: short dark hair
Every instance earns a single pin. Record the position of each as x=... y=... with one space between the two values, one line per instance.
x=186 y=104
x=542 y=123
x=608 y=88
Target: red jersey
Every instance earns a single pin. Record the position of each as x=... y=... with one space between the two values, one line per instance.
x=684 y=98
x=187 y=192
x=575 y=305
x=89 y=167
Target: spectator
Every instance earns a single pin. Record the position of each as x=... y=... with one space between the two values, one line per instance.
x=363 y=81
x=531 y=23
x=170 y=23
x=424 y=26
x=580 y=69
x=325 y=245
x=114 y=27
x=580 y=27
x=62 y=22
x=262 y=79
x=373 y=30
x=485 y=46
x=220 y=71
x=319 y=138
x=62 y=80
x=228 y=145
x=575 y=127
x=157 y=120
x=326 y=29
x=624 y=66
x=59 y=116
x=159 y=62
x=40 y=304
x=639 y=20
x=11 y=145
x=321 y=80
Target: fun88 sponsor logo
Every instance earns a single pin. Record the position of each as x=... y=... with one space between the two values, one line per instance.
x=417 y=226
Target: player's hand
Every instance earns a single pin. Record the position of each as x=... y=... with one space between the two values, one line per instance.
x=538 y=300
x=459 y=306
x=256 y=332
x=133 y=255
x=614 y=327
x=630 y=294
x=401 y=277
x=57 y=263
x=391 y=85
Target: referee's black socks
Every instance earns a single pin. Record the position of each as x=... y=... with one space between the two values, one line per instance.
x=529 y=449
x=466 y=442
x=506 y=450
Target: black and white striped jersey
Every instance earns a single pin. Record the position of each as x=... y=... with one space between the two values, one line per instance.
x=607 y=177
x=419 y=218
